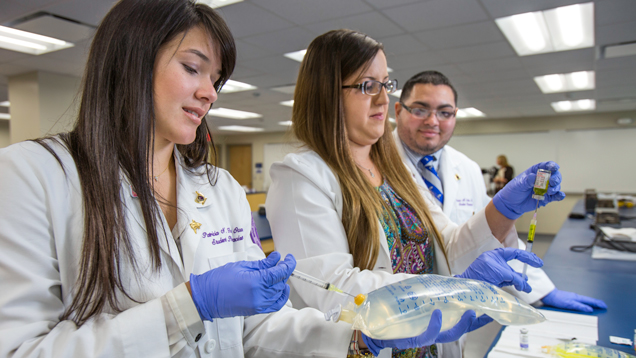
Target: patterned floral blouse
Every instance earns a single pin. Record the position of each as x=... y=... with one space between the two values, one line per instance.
x=409 y=247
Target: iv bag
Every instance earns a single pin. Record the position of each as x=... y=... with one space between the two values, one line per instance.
x=403 y=309
x=581 y=350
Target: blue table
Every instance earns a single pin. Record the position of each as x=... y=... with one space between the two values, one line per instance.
x=609 y=280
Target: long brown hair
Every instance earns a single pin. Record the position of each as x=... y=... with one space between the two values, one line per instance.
x=114 y=133
x=318 y=121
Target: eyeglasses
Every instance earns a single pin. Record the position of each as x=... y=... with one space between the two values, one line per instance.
x=423 y=113
x=374 y=87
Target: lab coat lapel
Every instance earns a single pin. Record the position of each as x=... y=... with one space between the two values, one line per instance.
x=193 y=194
x=450 y=181
x=133 y=209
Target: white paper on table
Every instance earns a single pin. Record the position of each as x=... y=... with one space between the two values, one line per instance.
x=621 y=234
x=609 y=254
x=557 y=325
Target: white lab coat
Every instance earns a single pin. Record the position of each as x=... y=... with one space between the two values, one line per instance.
x=41 y=234
x=304 y=209
x=465 y=194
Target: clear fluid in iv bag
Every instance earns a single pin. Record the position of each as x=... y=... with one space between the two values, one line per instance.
x=403 y=309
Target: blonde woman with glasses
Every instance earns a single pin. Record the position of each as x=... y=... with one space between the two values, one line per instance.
x=347 y=208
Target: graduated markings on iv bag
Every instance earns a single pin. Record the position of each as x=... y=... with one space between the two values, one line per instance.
x=403 y=309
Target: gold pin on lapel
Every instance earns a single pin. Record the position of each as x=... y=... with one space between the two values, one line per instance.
x=456 y=177
x=200 y=199
x=195 y=226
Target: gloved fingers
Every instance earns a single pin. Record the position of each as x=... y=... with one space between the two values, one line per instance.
x=577 y=306
x=453 y=334
x=480 y=322
x=280 y=272
x=528 y=180
x=270 y=261
x=591 y=301
x=432 y=332
x=278 y=301
x=556 y=179
x=549 y=165
x=372 y=344
x=530 y=258
x=518 y=280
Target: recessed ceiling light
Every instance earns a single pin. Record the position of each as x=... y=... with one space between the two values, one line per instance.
x=240 y=129
x=296 y=55
x=566 y=82
x=218 y=3
x=285 y=89
x=470 y=112
x=389 y=69
x=624 y=121
x=289 y=103
x=559 y=29
x=391 y=119
x=4 y=104
x=235 y=86
x=5 y=116
x=571 y=106
x=28 y=42
x=233 y=113
x=397 y=93
x=285 y=123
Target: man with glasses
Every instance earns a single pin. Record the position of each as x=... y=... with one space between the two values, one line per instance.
x=425 y=118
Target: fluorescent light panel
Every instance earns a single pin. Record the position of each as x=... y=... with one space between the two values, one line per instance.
x=296 y=55
x=5 y=116
x=560 y=29
x=470 y=112
x=235 y=86
x=5 y=104
x=566 y=82
x=285 y=123
x=573 y=106
x=289 y=103
x=240 y=129
x=218 y=3
x=27 y=42
x=232 y=113
x=397 y=93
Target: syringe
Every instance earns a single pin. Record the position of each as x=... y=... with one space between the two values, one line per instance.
x=540 y=190
x=317 y=282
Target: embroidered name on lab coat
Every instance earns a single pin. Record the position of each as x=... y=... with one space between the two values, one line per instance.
x=224 y=235
x=465 y=202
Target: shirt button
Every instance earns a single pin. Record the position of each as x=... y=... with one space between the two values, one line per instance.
x=198 y=337
x=210 y=345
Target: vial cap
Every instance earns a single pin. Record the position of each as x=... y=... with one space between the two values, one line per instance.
x=360 y=299
x=538 y=197
x=523 y=330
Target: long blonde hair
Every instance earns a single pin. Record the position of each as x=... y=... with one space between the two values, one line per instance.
x=318 y=121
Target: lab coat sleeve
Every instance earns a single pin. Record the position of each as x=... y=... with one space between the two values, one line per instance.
x=464 y=243
x=31 y=291
x=302 y=209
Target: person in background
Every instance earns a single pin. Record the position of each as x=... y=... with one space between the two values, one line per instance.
x=119 y=239
x=504 y=173
x=346 y=207
x=425 y=116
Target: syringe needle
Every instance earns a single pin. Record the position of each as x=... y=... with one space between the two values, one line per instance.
x=317 y=282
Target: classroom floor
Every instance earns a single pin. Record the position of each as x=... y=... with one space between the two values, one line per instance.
x=479 y=341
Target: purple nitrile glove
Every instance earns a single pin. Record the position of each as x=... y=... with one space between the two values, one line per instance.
x=572 y=301
x=492 y=267
x=516 y=197
x=432 y=335
x=243 y=288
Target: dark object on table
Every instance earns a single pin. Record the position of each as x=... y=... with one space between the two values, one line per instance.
x=590 y=198
x=607 y=216
x=577 y=216
x=261 y=210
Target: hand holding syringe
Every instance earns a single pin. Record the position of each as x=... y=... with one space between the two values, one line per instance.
x=540 y=190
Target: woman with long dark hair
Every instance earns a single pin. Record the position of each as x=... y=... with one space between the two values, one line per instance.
x=347 y=208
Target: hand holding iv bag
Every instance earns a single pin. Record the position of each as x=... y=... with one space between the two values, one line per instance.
x=404 y=309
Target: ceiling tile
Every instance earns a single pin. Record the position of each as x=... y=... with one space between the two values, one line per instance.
x=493 y=65
x=383 y=4
x=402 y=45
x=246 y=19
x=283 y=41
x=616 y=33
x=614 y=11
x=309 y=11
x=461 y=35
x=481 y=52
x=436 y=13
x=560 y=62
x=88 y=12
x=501 y=8
x=371 y=23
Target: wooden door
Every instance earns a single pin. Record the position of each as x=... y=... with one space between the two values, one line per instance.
x=240 y=163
